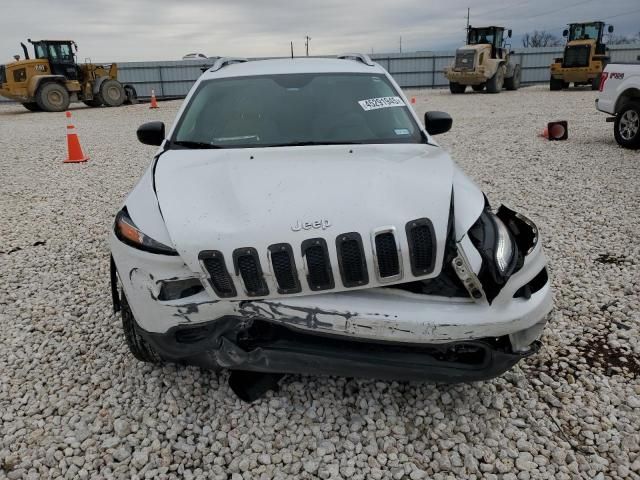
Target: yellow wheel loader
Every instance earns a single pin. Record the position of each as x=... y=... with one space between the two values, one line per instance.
x=484 y=62
x=584 y=58
x=52 y=79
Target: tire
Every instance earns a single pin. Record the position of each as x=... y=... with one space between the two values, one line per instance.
x=32 y=107
x=52 y=97
x=513 y=82
x=626 y=128
x=556 y=84
x=111 y=93
x=137 y=345
x=595 y=83
x=94 y=103
x=478 y=88
x=132 y=95
x=495 y=83
x=456 y=87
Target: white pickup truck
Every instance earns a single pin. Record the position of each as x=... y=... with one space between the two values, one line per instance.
x=620 y=96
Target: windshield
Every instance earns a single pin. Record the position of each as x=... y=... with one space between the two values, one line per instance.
x=588 y=31
x=295 y=109
x=479 y=36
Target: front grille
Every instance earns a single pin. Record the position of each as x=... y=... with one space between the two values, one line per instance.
x=213 y=263
x=3 y=74
x=319 y=262
x=422 y=246
x=576 y=56
x=284 y=268
x=247 y=265
x=387 y=255
x=351 y=259
x=465 y=59
x=319 y=274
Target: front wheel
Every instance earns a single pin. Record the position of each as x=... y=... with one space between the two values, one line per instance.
x=495 y=83
x=556 y=84
x=137 y=345
x=52 y=97
x=478 y=88
x=513 y=82
x=112 y=93
x=627 y=125
x=456 y=87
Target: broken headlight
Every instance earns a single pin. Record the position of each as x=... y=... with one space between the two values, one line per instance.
x=499 y=252
x=127 y=232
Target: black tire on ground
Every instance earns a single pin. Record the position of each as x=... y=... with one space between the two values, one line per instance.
x=556 y=84
x=513 y=82
x=595 y=83
x=111 y=93
x=137 y=345
x=32 y=107
x=95 y=102
x=495 y=83
x=478 y=88
x=565 y=85
x=52 y=97
x=626 y=128
x=456 y=87
x=132 y=95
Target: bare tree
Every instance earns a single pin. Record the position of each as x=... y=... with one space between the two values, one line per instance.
x=540 y=38
x=622 y=39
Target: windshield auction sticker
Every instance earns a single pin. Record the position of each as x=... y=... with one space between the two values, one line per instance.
x=381 y=102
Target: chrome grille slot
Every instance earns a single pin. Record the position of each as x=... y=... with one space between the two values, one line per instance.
x=387 y=256
x=247 y=264
x=465 y=59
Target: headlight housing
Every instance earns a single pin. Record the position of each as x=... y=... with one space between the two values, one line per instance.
x=127 y=232
x=499 y=252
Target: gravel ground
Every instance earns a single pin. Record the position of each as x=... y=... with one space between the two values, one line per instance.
x=75 y=404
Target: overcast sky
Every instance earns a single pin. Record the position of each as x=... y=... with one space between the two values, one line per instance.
x=122 y=30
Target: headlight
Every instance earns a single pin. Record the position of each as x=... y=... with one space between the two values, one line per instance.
x=504 y=246
x=496 y=247
x=128 y=233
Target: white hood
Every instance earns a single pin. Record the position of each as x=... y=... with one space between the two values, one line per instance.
x=235 y=198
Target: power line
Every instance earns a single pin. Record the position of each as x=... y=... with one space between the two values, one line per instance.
x=558 y=9
x=504 y=8
x=621 y=14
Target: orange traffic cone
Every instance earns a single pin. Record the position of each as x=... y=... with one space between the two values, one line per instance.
x=413 y=99
x=154 y=102
x=74 y=150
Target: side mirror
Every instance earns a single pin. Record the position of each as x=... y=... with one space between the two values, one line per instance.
x=437 y=122
x=151 y=133
x=565 y=33
x=509 y=33
x=610 y=29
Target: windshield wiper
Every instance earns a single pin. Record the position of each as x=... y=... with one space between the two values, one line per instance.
x=191 y=144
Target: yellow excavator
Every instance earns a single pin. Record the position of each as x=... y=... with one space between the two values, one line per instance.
x=52 y=79
x=584 y=58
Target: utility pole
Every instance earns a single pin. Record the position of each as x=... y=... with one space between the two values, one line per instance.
x=467 y=34
x=307 y=39
x=291 y=49
x=400 y=43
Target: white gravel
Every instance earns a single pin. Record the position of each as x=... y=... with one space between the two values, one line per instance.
x=75 y=404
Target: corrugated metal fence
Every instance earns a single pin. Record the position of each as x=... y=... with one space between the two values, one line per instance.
x=420 y=69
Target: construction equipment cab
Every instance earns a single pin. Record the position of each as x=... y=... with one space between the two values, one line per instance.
x=584 y=59
x=485 y=61
x=53 y=78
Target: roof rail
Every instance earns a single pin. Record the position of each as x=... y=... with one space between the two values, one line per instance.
x=226 y=61
x=358 y=57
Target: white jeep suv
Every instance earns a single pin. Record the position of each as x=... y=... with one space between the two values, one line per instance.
x=299 y=218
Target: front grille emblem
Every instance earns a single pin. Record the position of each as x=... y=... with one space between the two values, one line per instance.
x=315 y=225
